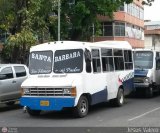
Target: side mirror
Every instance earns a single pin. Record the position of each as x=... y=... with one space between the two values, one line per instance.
x=87 y=55
x=88 y=60
x=2 y=76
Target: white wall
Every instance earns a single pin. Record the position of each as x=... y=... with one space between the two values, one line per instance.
x=149 y=40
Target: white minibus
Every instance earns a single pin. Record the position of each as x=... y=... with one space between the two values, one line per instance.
x=147 y=71
x=70 y=74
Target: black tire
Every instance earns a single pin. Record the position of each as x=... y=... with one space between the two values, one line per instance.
x=149 y=92
x=81 y=110
x=33 y=112
x=119 y=101
x=10 y=103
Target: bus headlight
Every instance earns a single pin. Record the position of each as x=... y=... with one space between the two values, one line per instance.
x=146 y=80
x=26 y=91
x=67 y=91
x=70 y=91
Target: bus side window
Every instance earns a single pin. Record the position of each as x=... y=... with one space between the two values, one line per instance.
x=107 y=59
x=128 y=59
x=118 y=59
x=96 y=60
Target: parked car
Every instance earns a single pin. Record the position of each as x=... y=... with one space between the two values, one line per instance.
x=11 y=78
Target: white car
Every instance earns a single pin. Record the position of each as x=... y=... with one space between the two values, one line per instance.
x=11 y=78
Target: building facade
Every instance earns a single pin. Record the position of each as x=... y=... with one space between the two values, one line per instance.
x=152 y=34
x=127 y=25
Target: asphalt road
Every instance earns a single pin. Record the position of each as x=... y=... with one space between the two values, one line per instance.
x=136 y=112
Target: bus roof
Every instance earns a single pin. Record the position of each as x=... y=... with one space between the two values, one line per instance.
x=77 y=44
x=113 y=44
x=58 y=45
x=145 y=49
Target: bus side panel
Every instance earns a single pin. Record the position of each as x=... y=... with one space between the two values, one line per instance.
x=99 y=97
x=128 y=83
x=95 y=85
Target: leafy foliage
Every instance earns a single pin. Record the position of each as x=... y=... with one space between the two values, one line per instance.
x=35 y=21
x=18 y=46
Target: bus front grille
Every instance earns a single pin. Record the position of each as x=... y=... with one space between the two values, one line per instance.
x=138 y=80
x=46 y=92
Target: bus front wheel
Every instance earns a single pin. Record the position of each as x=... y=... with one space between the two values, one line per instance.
x=81 y=110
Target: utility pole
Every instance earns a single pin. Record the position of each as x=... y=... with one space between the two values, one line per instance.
x=59 y=20
x=153 y=41
x=93 y=32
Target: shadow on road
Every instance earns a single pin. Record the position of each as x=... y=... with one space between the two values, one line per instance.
x=140 y=95
x=4 y=108
x=68 y=113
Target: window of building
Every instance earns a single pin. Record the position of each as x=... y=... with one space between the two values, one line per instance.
x=121 y=8
x=107 y=59
x=133 y=31
x=107 y=29
x=119 y=29
x=20 y=71
x=141 y=13
x=96 y=60
x=135 y=11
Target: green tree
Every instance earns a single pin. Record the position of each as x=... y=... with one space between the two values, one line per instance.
x=83 y=13
x=19 y=44
x=22 y=15
x=35 y=21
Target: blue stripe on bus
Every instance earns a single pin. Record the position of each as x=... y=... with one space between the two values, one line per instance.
x=54 y=103
x=128 y=86
x=99 y=97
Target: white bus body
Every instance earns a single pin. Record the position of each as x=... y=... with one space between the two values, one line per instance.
x=77 y=74
x=147 y=71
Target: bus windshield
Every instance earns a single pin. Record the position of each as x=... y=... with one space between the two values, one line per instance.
x=143 y=59
x=40 y=62
x=68 y=61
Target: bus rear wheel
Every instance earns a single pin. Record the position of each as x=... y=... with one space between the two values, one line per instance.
x=119 y=101
x=33 y=112
x=81 y=110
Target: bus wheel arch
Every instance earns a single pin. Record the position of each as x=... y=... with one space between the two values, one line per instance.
x=119 y=100
x=82 y=108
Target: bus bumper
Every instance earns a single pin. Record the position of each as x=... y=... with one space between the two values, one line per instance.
x=141 y=85
x=47 y=104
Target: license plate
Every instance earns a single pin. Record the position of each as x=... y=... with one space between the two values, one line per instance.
x=44 y=103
